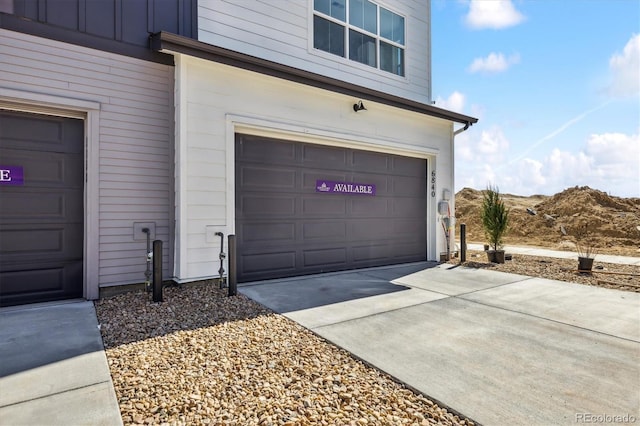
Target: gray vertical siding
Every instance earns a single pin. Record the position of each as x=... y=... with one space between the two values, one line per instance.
x=129 y=21
x=135 y=136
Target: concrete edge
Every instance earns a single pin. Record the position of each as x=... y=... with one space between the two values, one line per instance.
x=330 y=274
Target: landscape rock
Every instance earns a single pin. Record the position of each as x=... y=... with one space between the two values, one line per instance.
x=201 y=357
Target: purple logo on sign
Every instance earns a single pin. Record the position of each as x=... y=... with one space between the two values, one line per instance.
x=330 y=186
x=11 y=175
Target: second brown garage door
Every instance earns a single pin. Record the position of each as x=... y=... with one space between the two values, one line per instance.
x=296 y=213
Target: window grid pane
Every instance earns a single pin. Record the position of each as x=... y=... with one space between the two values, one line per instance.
x=364 y=14
x=362 y=48
x=334 y=8
x=391 y=26
x=391 y=59
x=328 y=36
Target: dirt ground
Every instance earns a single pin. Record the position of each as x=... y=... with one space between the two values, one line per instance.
x=608 y=275
x=611 y=225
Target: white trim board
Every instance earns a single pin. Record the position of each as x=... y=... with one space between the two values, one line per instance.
x=260 y=126
x=89 y=111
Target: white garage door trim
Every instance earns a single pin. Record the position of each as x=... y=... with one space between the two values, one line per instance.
x=281 y=130
x=41 y=103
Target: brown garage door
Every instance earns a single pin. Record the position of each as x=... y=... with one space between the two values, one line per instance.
x=296 y=213
x=41 y=208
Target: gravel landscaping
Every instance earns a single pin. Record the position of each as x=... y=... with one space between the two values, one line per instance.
x=203 y=358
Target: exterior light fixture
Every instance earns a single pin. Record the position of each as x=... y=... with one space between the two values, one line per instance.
x=359 y=107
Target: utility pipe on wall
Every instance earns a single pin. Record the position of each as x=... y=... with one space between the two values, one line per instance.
x=147 y=272
x=222 y=257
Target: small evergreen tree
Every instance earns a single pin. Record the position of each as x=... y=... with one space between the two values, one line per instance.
x=495 y=216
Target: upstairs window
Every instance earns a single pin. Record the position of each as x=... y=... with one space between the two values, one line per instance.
x=362 y=31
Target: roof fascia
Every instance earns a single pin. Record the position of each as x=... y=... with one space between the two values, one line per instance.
x=165 y=41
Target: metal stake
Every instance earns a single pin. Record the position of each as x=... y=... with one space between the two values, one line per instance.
x=233 y=272
x=463 y=242
x=157 y=271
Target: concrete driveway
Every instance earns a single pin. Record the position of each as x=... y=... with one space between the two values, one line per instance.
x=53 y=369
x=499 y=348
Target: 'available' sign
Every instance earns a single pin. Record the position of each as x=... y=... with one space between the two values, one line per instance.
x=11 y=175
x=333 y=187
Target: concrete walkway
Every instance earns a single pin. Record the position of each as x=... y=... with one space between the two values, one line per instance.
x=538 y=251
x=499 y=348
x=53 y=369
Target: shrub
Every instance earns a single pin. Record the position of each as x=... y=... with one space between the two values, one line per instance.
x=495 y=216
x=585 y=245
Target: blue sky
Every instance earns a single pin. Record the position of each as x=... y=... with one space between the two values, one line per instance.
x=555 y=85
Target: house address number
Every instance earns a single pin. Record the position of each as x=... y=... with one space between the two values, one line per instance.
x=433 y=183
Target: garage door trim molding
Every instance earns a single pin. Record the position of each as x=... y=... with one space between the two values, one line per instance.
x=259 y=126
x=89 y=111
x=40 y=103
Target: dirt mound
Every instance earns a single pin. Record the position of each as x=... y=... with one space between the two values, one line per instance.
x=554 y=221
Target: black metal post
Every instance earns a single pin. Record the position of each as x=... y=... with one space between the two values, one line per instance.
x=463 y=243
x=233 y=272
x=157 y=271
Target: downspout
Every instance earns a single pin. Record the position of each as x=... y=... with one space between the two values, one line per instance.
x=448 y=233
x=466 y=126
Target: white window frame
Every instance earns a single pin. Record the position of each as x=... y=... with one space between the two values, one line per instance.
x=348 y=26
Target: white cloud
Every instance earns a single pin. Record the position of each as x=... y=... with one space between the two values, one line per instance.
x=611 y=148
x=531 y=172
x=616 y=156
x=494 y=63
x=493 y=145
x=487 y=176
x=477 y=178
x=455 y=102
x=495 y=14
x=564 y=169
x=625 y=69
x=609 y=162
x=463 y=147
x=478 y=160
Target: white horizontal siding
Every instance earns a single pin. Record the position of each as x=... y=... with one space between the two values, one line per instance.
x=212 y=94
x=280 y=31
x=135 y=172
